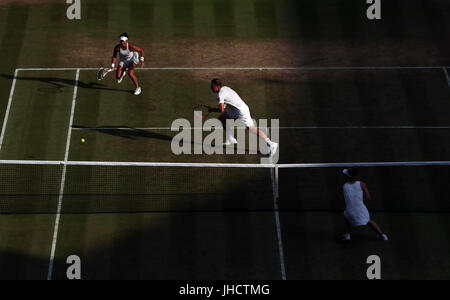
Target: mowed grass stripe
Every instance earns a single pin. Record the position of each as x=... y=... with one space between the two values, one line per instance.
x=170 y=246
x=287 y=19
x=163 y=20
x=420 y=110
x=225 y=19
x=331 y=23
x=102 y=233
x=39 y=115
x=3 y=26
x=119 y=20
x=183 y=18
x=25 y=242
x=437 y=20
x=265 y=13
x=246 y=21
x=142 y=14
x=14 y=35
x=95 y=24
x=320 y=255
x=38 y=39
x=11 y=40
x=203 y=14
x=301 y=233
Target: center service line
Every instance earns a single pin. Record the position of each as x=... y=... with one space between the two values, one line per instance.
x=63 y=179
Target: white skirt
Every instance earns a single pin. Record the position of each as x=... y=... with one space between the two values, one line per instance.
x=123 y=62
x=357 y=217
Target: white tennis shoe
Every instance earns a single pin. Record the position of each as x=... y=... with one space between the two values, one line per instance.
x=383 y=237
x=121 y=77
x=138 y=91
x=230 y=141
x=346 y=237
x=273 y=147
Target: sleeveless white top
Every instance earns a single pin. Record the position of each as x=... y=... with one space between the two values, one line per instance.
x=125 y=54
x=356 y=211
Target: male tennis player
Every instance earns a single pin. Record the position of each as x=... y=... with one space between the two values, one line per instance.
x=237 y=110
x=128 y=59
x=356 y=213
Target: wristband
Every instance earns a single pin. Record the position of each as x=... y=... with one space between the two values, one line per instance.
x=112 y=66
x=142 y=58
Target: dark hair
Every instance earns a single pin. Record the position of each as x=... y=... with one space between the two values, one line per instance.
x=124 y=34
x=216 y=82
x=353 y=173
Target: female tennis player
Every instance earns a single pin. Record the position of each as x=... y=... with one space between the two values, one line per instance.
x=128 y=59
x=356 y=213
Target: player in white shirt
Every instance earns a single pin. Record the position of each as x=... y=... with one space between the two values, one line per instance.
x=237 y=110
x=128 y=60
x=356 y=213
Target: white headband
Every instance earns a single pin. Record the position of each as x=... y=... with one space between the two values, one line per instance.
x=345 y=171
x=123 y=38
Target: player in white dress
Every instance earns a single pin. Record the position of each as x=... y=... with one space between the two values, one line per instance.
x=237 y=110
x=356 y=213
x=128 y=59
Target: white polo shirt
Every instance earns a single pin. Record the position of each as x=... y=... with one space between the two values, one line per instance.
x=231 y=98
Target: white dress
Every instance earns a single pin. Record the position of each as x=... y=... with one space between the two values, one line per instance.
x=356 y=212
x=126 y=56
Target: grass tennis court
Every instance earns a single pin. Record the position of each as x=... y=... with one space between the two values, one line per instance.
x=340 y=96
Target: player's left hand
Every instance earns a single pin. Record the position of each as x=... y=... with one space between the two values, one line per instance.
x=142 y=64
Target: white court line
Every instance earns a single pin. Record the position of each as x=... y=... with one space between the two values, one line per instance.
x=367 y=164
x=228 y=165
x=286 y=127
x=312 y=68
x=63 y=178
x=274 y=177
x=447 y=76
x=8 y=108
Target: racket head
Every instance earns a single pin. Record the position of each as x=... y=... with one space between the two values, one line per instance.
x=101 y=73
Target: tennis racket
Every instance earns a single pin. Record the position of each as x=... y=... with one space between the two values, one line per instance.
x=204 y=109
x=102 y=72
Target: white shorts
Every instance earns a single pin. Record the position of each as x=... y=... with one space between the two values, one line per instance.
x=134 y=59
x=243 y=116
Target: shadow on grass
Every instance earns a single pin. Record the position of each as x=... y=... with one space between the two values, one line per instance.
x=126 y=132
x=134 y=133
x=59 y=83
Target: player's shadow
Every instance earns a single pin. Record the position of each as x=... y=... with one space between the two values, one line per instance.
x=59 y=83
x=126 y=132
x=133 y=133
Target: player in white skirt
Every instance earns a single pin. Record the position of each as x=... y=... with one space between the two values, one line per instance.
x=128 y=59
x=237 y=110
x=356 y=213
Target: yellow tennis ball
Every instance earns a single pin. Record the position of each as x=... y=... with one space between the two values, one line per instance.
x=83 y=140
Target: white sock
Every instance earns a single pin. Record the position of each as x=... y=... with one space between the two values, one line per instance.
x=268 y=141
x=229 y=134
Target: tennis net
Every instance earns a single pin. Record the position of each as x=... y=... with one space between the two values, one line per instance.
x=126 y=187
x=103 y=187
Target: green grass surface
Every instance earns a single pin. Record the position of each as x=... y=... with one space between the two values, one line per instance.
x=171 y=246
x=221 y=225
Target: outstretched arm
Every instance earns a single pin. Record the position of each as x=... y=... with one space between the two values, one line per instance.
x=219 y=109
x=113 y=60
